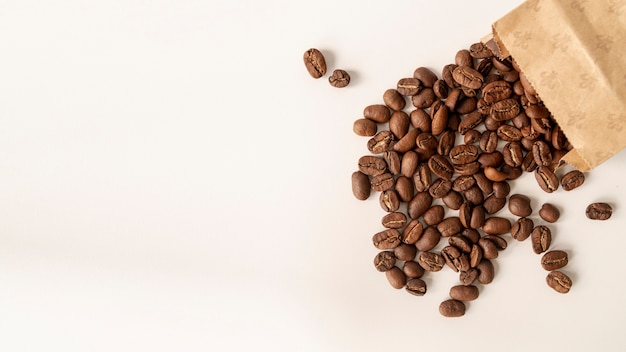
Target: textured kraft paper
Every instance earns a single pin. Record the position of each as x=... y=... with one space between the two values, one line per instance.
x=573 y=52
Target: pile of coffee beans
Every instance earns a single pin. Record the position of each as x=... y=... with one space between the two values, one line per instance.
x=443 y=150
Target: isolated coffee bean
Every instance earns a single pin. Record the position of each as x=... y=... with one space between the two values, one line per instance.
x=431 y=261
x=452 y=308
x=382 y=182
x=486 y=271
x=429 y=239
x=339 y=78
x=395 y=220
x=388 y=200
x=412 y=270
x=361 y=187
x=559 y=282
x=554 y=260
x=546 y=179
x=549 y=212
x=412 y=232
x=405 y=252
x=520 y=205
x=496 y=226
x=416 y=287
x=599 y=211
x=315 y=63
x=572 y=179
x=384 y=261
x=387 y=239
x=464 y=293
x=541 y=238
x=381 y=142
x=522 y=229
x=364 y=127
x=396 y=277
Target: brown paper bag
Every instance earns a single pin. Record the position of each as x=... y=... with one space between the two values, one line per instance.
x=573 y=52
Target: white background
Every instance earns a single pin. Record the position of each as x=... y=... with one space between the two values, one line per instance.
x=172 y=179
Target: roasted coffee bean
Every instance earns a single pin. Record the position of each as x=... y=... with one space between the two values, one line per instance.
x=440 y=188
x=396 y=277
x=480 y=51
x=468 y=277
x=409 y=86
x=465 y=214
x=365 y=127
x=536 y=111
x=361 y=187
x=546 y=179
x=549 y=212
x=501 y=189
x=464 y=293
x=408 y=164
x=394 y=164
x=558 y=139
x=505 y=109
x=470 y=121
x=496 y=225
x=501 y=65
x=494 y=174
x=466 y=105
x=441 y=89
x=493 y=204
x=542 y=126
x=387 y=239
x=476 y=255
x=450 y=226
x=446 y=74
x=542 y=153
x=510 y=76
x=488 y=141
x=511 y=172
x=509 y=133
x=404 y=188
x=478 y=217
x=522 y=229
x=498 y=241
x=471 y=137
x=463 y=183
x=518 y=89
x=450 y=254
x=559 y=282
x=483 y=107
x=464 y=58
x=339 y=78
x=494 y=159
x=371 y=165
x=384 y=261
x=490 y=251
x=557 y=159
x=394 y=100
x=420 y=120
x=483 y=183
x=388 y=199
x=554 y=260
x=422 y=177
x=419 y=204
x=395 y=220
x=405 y=252
x=441 y=167
x=431 y=261
x=520 y=121
x=424 y=99
x=474 y=195
x=412 y=270
x=519 y=205
x=513 y=154
x=452 y=308
x=484 y=67
x=407 y=142
x=446 y=142
x=486 y=271
x=467 y=169
x=377 y=113
x=454 y=119
x=425 y=75
x=315 y=63
x=412 y=232
x=454 y=97
x=460 y=242
x=399 y=124
x=427 y=141
x=382 y=182
x=467 y=77
x=429 y=239
x=453 y=200
x=599 y=211
x=434 y=215
x=439 y=117
x=416 y=287
x=529 y=164
x=572 y=179
x=541 y=238
x=496 y=91
x=381 y=142
x=464 y=154
x=472 y=235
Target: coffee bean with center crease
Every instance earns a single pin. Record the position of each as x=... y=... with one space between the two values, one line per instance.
x=463 y=183
x=371 y=165
x=519 y=205
x=422 y=178
x=381 y=142
x=315 y=63
x=364 y=127
x=546 y=179
x=412 y=232
x=384 y=261
x=440 y=188
x=450 y=254
x=542 y=153
x=599 y=211
x=396 y=277
x=450 y=226
x=377 y=113
x=572 y=179
x=446 y=142
x=387 y=239
x=522 y=229
x=395 y=220
x=474 y=195
x=498 y=241
x=441 y=89
x=460 y=242
x=361 y=187
x=416 y=287
x=559 y=282
x=382 y=182
x=469 y=122
x=554 y=260
x=426 y=141
x=496 y=91
x=431 y=261
x=513 y=154
x=468 y=277
x=394 y=164
x=467 y=77
x=388 y=199
x=409 y=86
x=464 y=154
x=541 y=238
x=441 y=167
x=504 y=109
x=339 y=78
x=488 y=141
x=467 y=169
x=439 y=117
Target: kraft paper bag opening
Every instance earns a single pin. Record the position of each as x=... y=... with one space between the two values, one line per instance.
x=572 y=52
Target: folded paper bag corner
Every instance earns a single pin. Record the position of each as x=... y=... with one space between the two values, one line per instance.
x=580 y=72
